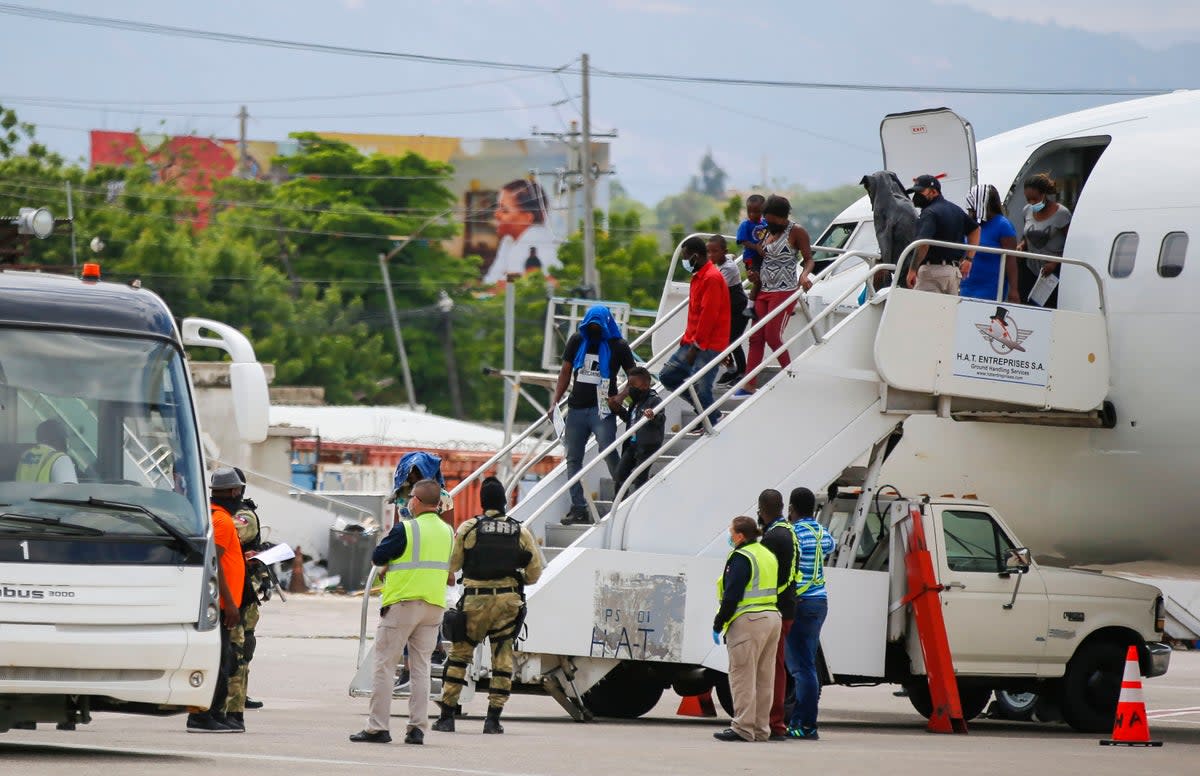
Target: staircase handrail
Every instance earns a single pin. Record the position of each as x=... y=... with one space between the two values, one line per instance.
x=535 y=425
x=1096 y=277
x=702 y=416
x=296 y=489
x=683 y=388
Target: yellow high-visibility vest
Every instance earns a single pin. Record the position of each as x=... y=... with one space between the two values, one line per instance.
x=421 y=572
x=36 y=464
x=761 y=589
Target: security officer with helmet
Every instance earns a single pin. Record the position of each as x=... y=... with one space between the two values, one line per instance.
x=498 y=557
x=257 y=589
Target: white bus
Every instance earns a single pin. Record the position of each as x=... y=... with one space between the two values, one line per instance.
x=108 y=590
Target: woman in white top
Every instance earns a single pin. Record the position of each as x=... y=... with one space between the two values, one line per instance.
x=525 y=240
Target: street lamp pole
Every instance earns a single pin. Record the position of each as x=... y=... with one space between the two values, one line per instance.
x=384 y=258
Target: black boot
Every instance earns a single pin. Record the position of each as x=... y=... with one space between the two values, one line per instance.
x=492 y=723
x=445 y=720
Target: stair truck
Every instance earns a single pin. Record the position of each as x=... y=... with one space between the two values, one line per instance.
x=624 y=608
x=108 y=587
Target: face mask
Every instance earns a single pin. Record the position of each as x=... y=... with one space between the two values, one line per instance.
x=776 y=228
x=1038 y=207
x=920 y=200
x=687 y=264
x=731 y=542
x=638 y=394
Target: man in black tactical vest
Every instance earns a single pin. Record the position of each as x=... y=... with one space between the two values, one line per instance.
x=498 y=557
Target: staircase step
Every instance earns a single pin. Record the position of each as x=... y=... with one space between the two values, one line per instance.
x=607 y=489
x=602 y=507
x=550 y=553
x=562 y=535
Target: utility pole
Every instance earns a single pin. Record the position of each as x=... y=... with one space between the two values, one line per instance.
x=242 y=167
x=591 y=279
x=573 y=186
x=387 y=292
x=586 y=172
x=71 y=218
x=400 y=242
x=510 y=327
x=445 y=306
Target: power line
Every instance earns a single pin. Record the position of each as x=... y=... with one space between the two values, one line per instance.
x=101 y=103
x=49 y=102
x=323 y=48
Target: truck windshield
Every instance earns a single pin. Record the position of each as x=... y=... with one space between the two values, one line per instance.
x=97 y=416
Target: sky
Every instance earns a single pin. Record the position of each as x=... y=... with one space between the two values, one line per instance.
x=68 y=78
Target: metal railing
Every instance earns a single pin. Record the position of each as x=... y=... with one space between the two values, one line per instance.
x=1096 y=277
x=531 y=460
x=291 y=490
x=687 y=384
x=702 y=417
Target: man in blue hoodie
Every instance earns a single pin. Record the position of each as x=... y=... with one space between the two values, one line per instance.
x=593 y=355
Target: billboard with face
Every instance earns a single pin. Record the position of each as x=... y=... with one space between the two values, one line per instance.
x=516 y=200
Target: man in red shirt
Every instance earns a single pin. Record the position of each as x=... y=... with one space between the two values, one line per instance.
x=707 y=332
x=227 y=491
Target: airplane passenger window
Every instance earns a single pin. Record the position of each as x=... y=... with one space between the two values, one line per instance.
x=1124 y=251
x=1172 y=253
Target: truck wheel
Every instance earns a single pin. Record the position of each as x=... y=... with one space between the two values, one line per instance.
x=972 y=699
x=1091 y=686
x=627 y=692
x=1016 y=705
x=724 y=693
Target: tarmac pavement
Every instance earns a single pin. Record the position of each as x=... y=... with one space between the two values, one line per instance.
x=305 y=660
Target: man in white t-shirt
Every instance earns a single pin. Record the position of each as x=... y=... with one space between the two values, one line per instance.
x=47 y=461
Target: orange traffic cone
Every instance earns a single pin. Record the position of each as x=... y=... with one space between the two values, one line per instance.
x=697 y=706
x=1130 y=727
x=296 y=583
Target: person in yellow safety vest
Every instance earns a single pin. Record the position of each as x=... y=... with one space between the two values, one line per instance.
x=47 y=461
x=416 y=554
x=749 y=618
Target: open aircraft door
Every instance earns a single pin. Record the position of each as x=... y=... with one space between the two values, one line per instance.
x=938 y=142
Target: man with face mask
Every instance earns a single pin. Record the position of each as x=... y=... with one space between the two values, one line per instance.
x=707 y=332
x=643 y=403
x=593 y=355
x=935 y=268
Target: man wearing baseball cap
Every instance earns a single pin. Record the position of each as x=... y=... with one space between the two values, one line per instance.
x=936 y=268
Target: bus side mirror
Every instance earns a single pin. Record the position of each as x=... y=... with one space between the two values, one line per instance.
x=247 y=380
x=251 y=401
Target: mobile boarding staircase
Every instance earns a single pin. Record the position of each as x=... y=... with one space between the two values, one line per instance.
x=625 y=606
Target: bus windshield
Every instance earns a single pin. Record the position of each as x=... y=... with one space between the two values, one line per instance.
x=97 y=416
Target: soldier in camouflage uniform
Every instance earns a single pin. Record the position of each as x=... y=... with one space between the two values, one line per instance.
x=258 y=585
x=498 y=557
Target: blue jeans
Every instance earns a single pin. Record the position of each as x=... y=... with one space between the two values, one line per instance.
x=802 y=642
x=581 y=424
x=677 y=370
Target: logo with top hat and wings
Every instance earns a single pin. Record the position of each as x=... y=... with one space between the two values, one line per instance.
x=1002 y=333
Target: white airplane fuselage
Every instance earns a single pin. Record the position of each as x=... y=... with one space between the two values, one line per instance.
x=1096 y=496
